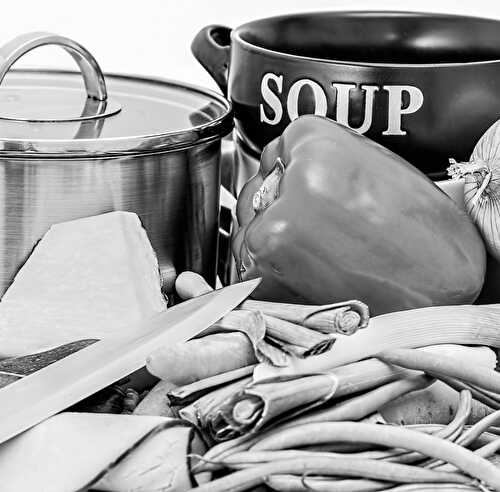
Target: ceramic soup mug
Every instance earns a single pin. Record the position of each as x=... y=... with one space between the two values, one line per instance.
x=424 y=85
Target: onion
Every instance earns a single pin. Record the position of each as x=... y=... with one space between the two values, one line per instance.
x=482 y=186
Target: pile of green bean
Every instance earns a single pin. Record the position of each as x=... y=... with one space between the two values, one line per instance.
x=359 y=455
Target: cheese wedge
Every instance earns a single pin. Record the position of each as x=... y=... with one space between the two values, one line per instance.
x=87 y=278
x=120 y=453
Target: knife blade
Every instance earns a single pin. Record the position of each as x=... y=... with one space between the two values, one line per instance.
x=34 y=398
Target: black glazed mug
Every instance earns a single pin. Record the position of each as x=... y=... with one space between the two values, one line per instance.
x=424 y=85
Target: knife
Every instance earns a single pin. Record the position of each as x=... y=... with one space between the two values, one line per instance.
x=35 y=397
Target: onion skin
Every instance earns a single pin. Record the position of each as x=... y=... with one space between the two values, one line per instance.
x=482 y=186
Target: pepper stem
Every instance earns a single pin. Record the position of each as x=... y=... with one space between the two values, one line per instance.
x=270 y=188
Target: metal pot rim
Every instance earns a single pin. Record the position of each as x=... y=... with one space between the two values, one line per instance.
x=124 y=145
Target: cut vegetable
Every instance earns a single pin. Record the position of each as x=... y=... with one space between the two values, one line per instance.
x=450 y=432
x=311 y=341
x=438 y=365
x=200 y=410
x=201 y=358
x=250 y=322
x=434 y=404
x=250 y=408
x=191 y=284
x=466 y=325
x=343 y=317
x=88 y=278
x=480 y=395
x=437 y=403
x=183 y=395
x=156 y=402
x=253 y=325
x=362 y=405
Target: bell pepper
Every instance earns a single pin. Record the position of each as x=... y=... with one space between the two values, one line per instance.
x=332 y=215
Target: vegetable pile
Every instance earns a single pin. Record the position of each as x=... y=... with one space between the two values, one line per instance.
x=301 y=388
x=409 y=402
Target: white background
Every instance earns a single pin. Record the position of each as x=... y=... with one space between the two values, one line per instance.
x=153 y=37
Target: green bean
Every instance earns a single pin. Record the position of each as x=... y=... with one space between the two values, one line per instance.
x=362 y=405
x=477 y=393
x=385 y=435
x=436 y=487
x=294 y=483
x=478 y=428
x=480 y=376
x=450 y=432
x=488 y=449
x=222 y=451
x=469 y=436
x=390 y=472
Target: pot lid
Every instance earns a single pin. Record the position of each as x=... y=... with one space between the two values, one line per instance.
x=82 y=113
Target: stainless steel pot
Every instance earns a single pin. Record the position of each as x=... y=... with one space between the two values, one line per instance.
x=70 y=150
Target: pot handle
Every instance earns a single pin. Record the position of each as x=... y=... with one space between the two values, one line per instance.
x=212 y=48
x=91 y=72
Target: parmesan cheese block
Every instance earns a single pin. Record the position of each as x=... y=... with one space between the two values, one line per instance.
x=87 y=278
x=123 y=453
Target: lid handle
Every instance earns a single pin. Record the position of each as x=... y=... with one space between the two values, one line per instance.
x=91 y=72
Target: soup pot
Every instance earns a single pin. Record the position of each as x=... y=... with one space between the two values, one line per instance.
x=76 y=144
x=424 y=85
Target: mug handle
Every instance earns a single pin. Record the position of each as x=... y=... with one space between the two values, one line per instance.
x=212 y=48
